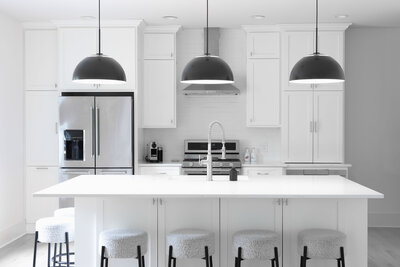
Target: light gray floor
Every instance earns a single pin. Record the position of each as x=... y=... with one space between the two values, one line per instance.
x=383 y=250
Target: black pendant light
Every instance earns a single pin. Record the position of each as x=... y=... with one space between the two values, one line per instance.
x=207 y=69
x=316 y=68
x=98 y=68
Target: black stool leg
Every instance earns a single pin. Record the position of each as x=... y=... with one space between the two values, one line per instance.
x=338 y=262
x=103 y=251
x=48 y=254
x=304 y=258
x=55 y=254
x=276 y=259
x=67 y=247
x=139 y=256
x=106 y=262
x=35 y=248
x=207 y=258
x=211 y=264
x=143 y=265
x=174 y=262
x=239 y=257
x=342 y=256
x=170 y=256
x=60 y=256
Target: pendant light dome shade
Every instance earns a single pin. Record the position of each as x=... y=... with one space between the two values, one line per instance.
x=99 y=69
x=316 y=69
x=207 y=70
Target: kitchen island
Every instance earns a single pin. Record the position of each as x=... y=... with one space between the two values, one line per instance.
x=158 y=205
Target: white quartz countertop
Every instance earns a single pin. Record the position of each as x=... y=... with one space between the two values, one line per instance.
x=196 y=186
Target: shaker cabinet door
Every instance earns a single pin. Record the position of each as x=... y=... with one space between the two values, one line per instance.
x=41 y=122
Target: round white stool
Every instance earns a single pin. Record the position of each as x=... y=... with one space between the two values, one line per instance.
x=321 y=244
x=123 y=243
x=191 y=244
x=55 y=230
x=256 y=244
x=65 y=212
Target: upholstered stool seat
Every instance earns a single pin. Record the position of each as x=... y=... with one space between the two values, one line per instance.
x=190 y=243
x=53 y=229
x=123 y=243
x=321 y=244
x=65 y=212
x=256 y=244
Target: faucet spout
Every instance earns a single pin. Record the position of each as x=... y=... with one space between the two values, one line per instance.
x=208 y=161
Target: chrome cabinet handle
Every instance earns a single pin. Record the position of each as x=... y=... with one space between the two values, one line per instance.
x=262 y=173
x=42 y=168
x=93 y=131
x=315 y=126
x=114 y=172
x=98 y=131
x=172 y=54
x=311 y=126
x=251 y=53
x=76 y=172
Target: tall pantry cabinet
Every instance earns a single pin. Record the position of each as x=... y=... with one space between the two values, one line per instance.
x=312 y=115
x=41 y=121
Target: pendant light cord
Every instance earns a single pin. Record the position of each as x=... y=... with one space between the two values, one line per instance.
x=207 y=53
x=316 y=27
x=99 y=53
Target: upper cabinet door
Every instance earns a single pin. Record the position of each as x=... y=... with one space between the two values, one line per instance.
x=119 y=43
x=159 y=46
x=75 y=44
x=159 y=94
x=297 y=132
x=41 y=122
x=331 y=43
x=296 y=45
x=263 y=96
x=263 y=45
x=328 y=128
x=41 y=60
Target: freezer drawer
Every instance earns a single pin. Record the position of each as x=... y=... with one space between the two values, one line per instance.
x=128 y=171
x=66 y=174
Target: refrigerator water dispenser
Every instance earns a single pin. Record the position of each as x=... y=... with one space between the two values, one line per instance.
x=73 y=144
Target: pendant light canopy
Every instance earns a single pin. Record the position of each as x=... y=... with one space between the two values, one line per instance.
x=207 y=69
x=98 y=68
x=316 y=68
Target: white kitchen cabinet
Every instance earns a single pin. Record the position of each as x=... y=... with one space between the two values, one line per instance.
x=255 y=172
x=40 y=60
x=302 y=214
x=297 y=44
x=75 y=44
x=133 y=213
x=245 y=214
x=193 y=213
x=263 y=95
x=38 y=178
x=159 y=46
x=313 y=127
x=328 y=128
x=41 y=128
x=151 y=170
x=297 y=123
x=263 y=45
x=159 y=94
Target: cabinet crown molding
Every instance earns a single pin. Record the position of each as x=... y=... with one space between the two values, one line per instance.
x=93 y=23
x=162 y=29
x=38 y=25
x=296 y=27
x=261 y=28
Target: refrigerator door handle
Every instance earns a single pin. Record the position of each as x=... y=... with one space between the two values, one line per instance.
x=98 y=131
x=93 y=131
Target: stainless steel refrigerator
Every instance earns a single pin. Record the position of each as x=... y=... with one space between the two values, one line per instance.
x=95 y=135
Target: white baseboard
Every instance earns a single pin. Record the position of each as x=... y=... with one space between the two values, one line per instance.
x=12 y=233
x=384 y=220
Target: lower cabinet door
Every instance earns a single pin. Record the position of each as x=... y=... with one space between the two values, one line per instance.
x=302 y=214
x=38 y=178
x=193 y=213
x=136 y=214
x=247 y=214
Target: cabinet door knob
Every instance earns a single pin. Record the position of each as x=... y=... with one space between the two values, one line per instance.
x=172 y=54
x=251 y=53
x=311 y=126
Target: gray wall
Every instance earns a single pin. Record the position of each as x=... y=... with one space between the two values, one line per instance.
x=372 y=132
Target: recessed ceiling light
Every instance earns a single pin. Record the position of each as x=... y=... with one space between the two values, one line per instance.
x=170 y=17
x=258 y=17
x=88 y=17
x=341 y=16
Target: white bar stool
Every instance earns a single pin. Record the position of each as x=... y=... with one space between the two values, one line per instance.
x=123 y=243
x=55 y=230
x=65 y=212
x=191 y=244
x=256 y=244
x=321 y=244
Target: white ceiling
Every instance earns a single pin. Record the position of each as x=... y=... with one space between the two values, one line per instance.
x=223 y=13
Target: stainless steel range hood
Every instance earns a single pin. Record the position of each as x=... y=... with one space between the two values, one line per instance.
x=211 y=89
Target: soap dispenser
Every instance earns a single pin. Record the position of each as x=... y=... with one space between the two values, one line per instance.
x=247 y=156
